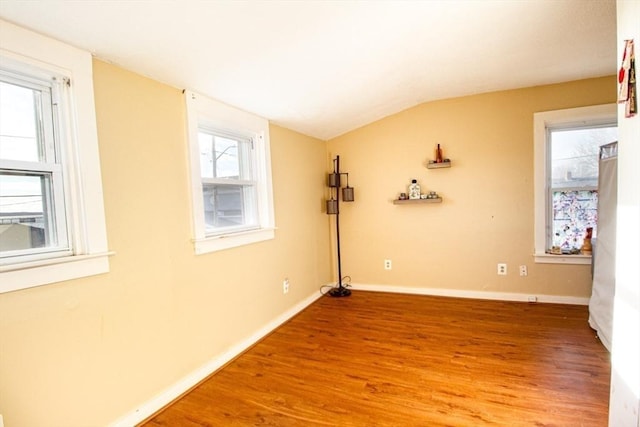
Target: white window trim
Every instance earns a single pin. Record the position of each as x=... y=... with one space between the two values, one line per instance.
x=91 y=253
x=541 y=121
x=223 y=117
x=52 y=153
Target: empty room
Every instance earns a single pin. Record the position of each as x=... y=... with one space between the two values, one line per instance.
x=319 y=213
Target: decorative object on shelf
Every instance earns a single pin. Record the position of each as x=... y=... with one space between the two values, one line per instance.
x=586 y=248
x=628 y=94
x=440 y=161
x=557 y=250
x=430 y=197
x=414 y=190
x=333 y=208
x=439 y=157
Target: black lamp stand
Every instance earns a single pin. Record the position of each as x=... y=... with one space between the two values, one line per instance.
x=333 y=208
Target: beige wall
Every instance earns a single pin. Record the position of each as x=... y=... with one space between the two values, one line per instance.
x=487 y=213
x=86 y=352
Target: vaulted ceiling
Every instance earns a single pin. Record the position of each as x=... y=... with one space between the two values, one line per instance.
x=324 y=68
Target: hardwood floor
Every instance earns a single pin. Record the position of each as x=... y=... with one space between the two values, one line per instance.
x=377 y=359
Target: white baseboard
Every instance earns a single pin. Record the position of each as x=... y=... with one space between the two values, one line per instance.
x=458 y=293
x=153 y=405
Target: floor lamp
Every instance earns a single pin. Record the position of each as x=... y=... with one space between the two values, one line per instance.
x=333 y=208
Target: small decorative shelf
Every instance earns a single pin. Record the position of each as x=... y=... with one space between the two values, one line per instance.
x=416 y=201
x=438 y=165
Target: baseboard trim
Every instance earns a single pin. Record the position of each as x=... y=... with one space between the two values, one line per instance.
x=153 y=405
x=459 y=293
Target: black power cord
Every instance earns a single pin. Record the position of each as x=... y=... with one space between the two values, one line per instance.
x=346 y=279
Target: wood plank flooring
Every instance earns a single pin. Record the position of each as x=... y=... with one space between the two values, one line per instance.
x=378 y=359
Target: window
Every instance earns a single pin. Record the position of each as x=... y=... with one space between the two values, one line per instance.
x=51 y=210
x=228 y=187
x=567 y=144
x=32 y=215
x=230 y=175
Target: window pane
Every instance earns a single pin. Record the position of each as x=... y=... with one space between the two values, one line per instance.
x=20 y=127
x=228 y=191
x=228 y=206
x=574 y=155
x=224 y=157
x=227 y=159
x=573 y=212
x=26 y=212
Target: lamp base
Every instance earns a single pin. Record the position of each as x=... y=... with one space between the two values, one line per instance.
x=339 y=292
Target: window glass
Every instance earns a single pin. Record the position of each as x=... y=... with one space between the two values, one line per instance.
x=223 y=206
x=574 y=155
x=26 y=212
x=227 y=160
x=224 y=156
x=20 y=127
x=573 y=212
x=227 y=189
x=573 y=190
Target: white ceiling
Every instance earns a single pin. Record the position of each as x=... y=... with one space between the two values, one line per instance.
x=324 y=68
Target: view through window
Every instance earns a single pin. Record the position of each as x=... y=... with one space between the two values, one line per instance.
x=228 y=189
x=573 y=189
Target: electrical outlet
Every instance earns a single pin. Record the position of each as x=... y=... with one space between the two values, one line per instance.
x=285 y=286
x=532 y=298
x=387 y=264
x=523 y=270
x=502 y=269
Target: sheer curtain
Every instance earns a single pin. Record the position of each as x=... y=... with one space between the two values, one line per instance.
x=604 y=257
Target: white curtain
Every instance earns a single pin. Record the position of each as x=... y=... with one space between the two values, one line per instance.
x=604 y=256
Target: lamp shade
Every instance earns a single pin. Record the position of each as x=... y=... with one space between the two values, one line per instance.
x=347 y=194
x=332 y=207
x=333 y=180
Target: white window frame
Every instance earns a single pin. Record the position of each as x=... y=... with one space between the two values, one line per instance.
x=25 y=51
x=211 y=114
x=50 y=162
x=248 y=166
x=582 y=116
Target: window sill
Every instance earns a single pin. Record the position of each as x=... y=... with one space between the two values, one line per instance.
x=37 y=273
x=228 y=241
x=562 y=259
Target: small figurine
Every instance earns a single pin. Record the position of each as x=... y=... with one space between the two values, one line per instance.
x=586 y=248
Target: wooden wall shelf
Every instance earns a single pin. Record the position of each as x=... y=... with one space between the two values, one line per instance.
x=416 y=201
x=438 y=165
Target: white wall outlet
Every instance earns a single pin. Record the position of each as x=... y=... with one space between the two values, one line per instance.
x=285 y=286
x=523 y=270
x=387 y=264
x=532 y=298
x=502 y=269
